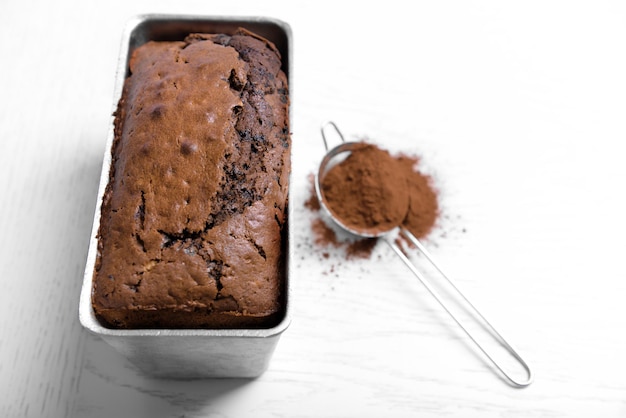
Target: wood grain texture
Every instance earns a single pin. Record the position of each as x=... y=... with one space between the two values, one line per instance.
x=517 y=113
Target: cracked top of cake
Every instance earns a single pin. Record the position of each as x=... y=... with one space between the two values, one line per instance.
x=193 y=214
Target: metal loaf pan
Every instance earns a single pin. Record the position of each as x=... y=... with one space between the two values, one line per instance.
x=187 y=353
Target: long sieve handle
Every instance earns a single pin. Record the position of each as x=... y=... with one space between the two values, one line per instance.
x=483 y=321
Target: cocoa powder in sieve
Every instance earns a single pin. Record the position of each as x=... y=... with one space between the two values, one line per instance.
x=385 y=175
x=368 y=191
x=423 y=200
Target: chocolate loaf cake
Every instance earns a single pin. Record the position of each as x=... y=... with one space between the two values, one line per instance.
x=193 y=218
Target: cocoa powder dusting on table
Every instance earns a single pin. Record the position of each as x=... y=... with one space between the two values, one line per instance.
x=368 y=190
x=312 y=203
x=324 y=235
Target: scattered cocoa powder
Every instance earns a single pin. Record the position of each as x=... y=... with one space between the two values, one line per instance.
x=312 y=203
x=323 y=234
x=361 y=248
x=398 y=175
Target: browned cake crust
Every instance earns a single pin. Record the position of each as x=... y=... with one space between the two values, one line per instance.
x=191 y=232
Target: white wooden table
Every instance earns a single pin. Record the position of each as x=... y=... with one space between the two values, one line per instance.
x=517 y=110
